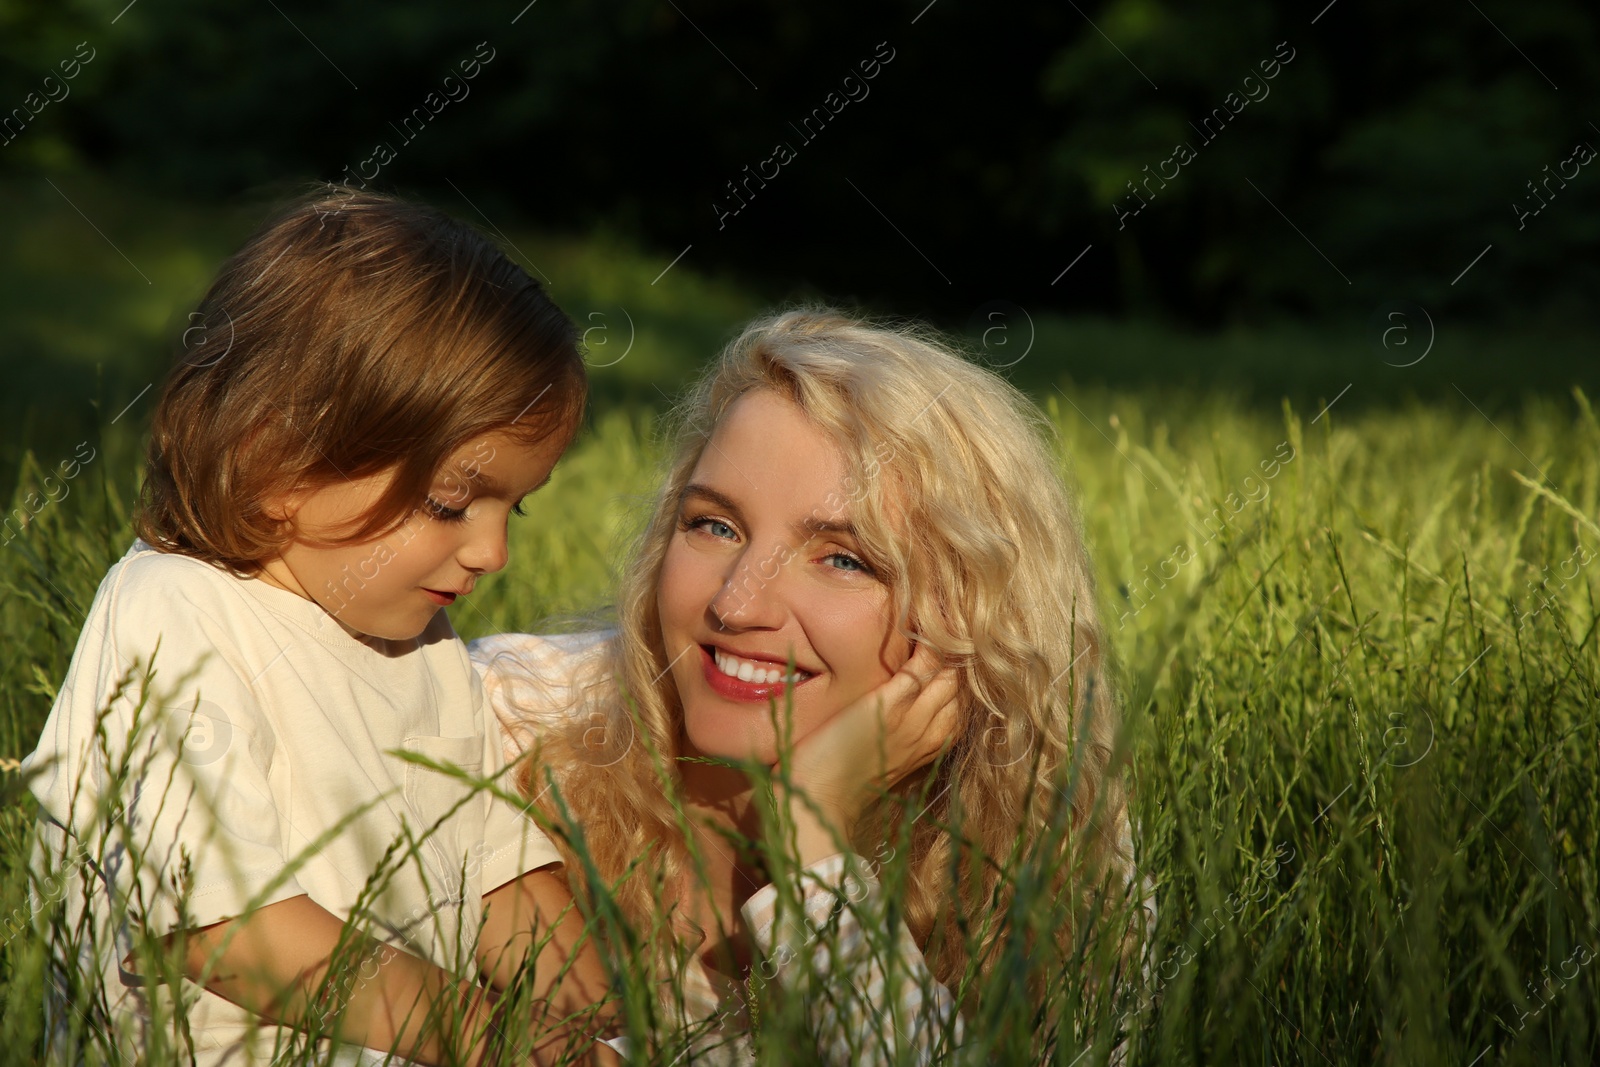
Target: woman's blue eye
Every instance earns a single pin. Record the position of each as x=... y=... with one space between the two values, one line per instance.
x=714 y=527
x=445 y=513
x=850 y=563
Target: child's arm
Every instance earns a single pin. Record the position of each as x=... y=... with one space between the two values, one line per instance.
x=534 y=916
x=528 y=910
x=274 y=961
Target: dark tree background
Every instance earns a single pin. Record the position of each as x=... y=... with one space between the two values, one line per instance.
x=986 y=155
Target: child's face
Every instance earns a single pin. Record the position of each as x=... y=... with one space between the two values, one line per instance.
x=764 y=566
x=392 y=587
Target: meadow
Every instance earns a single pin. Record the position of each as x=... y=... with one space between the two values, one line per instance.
x=1358 y=646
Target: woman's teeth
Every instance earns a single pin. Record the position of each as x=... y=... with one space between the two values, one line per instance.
x=750 y=671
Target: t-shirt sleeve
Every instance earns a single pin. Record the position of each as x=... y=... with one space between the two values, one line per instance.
x=528 y=685
x=157 y=759
x=514 y=844
x=531 y=681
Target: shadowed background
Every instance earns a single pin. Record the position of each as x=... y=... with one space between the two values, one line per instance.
x=1015 y=172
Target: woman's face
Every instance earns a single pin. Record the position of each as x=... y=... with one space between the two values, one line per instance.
x=765 y=566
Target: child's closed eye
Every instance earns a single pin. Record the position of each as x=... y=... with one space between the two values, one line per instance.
x=445 y=513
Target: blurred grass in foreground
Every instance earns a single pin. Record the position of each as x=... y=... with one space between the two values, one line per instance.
x=1362 y=697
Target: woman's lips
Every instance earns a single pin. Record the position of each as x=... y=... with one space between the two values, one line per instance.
x=442 y=599
x=726 y=685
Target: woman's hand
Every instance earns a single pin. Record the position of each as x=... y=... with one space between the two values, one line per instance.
x=875 y=741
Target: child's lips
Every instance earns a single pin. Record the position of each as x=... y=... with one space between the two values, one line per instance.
x=443 y=598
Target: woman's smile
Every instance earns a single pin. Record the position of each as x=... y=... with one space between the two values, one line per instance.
x=766 y=569
x=751 y=677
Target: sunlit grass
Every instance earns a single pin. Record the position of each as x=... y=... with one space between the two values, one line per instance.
x=1361 y=701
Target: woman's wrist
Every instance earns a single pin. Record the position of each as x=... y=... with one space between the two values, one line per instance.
x=821 y=823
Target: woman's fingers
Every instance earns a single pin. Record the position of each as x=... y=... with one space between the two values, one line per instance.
x=884 y=735
x=907 y=683
x=927 y=723
x=924 y=663
x=916 y=713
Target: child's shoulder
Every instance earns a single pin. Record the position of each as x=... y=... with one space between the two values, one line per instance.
x=150 y=596
x=147 y=569
x=147 y=577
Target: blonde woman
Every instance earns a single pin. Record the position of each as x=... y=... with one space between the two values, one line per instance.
x=862 y=561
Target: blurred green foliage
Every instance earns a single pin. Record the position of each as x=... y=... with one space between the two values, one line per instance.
x=97 y=281
x=998 y=141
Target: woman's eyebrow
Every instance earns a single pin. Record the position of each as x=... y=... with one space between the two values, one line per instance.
x=705 y=492
x=812 y=526
x=815 y=527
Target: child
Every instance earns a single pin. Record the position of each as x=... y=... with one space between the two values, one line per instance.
x=370 y=390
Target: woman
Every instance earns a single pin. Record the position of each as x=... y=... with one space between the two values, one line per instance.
x=862 y=561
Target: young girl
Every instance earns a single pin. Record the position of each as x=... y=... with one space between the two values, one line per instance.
x=370 y=391
x=862 y=553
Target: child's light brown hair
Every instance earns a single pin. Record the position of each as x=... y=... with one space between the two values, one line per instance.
x=354 y=333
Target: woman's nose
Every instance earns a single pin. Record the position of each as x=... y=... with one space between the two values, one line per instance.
x=751 y=597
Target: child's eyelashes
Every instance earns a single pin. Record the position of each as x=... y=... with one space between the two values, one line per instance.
x=445 y=513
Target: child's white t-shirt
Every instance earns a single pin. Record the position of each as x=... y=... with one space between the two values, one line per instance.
x=263 y=772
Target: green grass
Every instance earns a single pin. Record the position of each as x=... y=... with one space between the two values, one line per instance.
x=1362 y=711
x=1362 y=694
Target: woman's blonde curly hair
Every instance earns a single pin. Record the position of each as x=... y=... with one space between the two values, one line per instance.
x=959 y=503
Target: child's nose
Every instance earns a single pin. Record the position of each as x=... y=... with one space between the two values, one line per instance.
x=486 y=551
